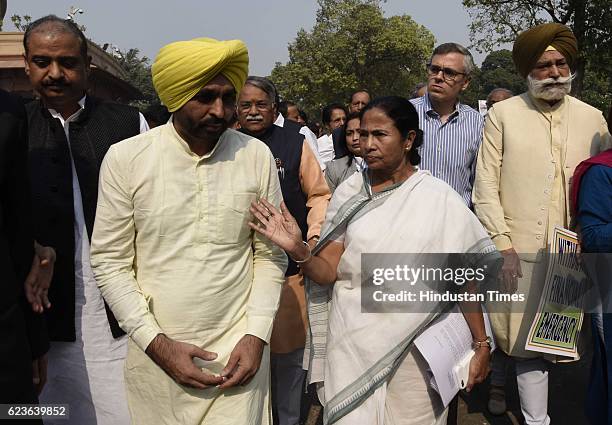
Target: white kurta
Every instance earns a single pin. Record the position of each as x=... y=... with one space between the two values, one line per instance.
x=87 y=374
x=325 y=144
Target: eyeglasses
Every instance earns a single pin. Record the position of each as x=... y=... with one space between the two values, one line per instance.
x=260 y=106
x=448 y=74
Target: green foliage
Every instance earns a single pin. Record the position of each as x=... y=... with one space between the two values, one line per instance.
x=597 y=89
x=500 y=21
x=352 y=46
x=497 y=71
x=21 y=22
x=138 y=70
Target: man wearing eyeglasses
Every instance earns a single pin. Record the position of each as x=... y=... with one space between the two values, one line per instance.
x=532 y=144
x=452 y=131
x=306 y=195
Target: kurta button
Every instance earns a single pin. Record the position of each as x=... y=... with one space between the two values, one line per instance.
x=539 y=237
x=540 y=223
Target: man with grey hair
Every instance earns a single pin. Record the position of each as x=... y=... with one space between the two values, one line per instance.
x=497 y=95
x=306 y=195
x=452 y=130
x=532 y=143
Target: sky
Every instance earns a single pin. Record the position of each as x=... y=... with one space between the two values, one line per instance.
x=266 y=26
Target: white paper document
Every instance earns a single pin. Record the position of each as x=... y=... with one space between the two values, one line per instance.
x=446 y=345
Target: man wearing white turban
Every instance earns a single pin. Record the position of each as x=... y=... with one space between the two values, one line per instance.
x=188 y=280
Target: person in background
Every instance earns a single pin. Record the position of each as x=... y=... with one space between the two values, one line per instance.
x=156 y=115
x=419 y=90
x=333 y=117
x=289 y=110
x=453 y=131
x=359 y=99
x=497 y=95
x=350 y=162
x=306 y=195
x=288 y=116
x=303 y=119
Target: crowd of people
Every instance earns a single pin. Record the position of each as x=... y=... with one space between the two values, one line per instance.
x=203 y=264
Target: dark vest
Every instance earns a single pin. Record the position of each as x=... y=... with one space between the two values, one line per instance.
x=100 y=125
x=286 y=146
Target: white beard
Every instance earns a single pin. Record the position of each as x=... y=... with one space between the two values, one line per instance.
x=550 y=88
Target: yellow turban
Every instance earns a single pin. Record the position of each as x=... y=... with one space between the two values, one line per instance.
x=530 y=45
x=182 y=68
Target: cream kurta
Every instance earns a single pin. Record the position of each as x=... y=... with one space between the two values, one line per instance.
x=525 y=163
x=172 y=252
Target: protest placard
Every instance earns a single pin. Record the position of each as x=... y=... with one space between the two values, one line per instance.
x=557 y=323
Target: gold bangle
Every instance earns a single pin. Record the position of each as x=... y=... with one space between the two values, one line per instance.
x=308 y=257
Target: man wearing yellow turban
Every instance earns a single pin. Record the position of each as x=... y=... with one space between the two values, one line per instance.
x=531 y=145
x=174 y=256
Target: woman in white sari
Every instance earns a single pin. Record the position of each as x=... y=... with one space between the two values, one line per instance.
x=371 y=372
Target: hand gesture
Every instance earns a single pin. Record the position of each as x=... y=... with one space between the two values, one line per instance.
x=39 y=278
x=479 y=367
x=243 y=363
x=511 y=271
x=278 y=226
x=176 y=359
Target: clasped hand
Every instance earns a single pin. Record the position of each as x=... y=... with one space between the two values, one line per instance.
x=176 y=359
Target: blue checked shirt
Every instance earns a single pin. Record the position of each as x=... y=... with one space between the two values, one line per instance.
x=449 y=150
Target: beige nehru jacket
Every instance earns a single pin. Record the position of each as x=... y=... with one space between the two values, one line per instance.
x=525 y=164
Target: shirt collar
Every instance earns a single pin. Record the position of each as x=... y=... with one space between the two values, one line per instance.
x=280 y=120
x=72 y=117
x=185 y=146
x=429 y=110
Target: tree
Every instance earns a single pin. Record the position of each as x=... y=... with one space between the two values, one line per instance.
x=21 y=22
x=352 y=46
x=500 y=21
x=497 y=71
x=138 y=70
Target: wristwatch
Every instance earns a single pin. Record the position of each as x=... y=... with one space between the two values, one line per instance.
x=487 y=342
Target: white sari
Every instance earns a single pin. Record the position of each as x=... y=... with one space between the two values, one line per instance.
x=356 y=354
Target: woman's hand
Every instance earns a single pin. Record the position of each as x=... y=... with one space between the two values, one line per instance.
x=479 y=367
x=278 y=226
